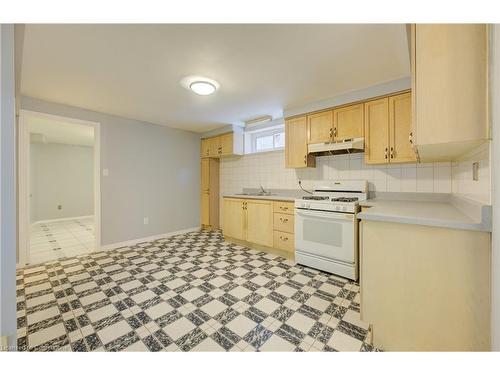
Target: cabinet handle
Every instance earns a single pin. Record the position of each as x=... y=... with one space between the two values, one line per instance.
x=392 y=152
x=331 y=132
x=385 y=153
x=410 y=137
x=283 y=220
x=283 y=238
x=283 y=208
x=305 y=159
x=334 y=132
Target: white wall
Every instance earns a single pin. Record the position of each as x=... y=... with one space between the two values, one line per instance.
x=268 y=170
x=463 y=182
x=8 y=214
x=154 y=172
x=63 y=175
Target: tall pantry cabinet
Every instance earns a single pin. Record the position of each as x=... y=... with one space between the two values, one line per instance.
x=210 y=193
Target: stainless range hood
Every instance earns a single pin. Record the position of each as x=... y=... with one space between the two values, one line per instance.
x=347 y=146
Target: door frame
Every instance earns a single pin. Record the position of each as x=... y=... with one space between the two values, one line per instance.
x=24 y=179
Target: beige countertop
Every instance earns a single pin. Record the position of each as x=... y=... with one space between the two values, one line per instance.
x=456 y=213
x=261 y=197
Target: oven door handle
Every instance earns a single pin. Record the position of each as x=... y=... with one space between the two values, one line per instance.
x=326 y=215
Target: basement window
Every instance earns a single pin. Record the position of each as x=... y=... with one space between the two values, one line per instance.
x=263 y=140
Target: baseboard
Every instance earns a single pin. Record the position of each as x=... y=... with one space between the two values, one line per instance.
x=146 y=239
x=61 y=219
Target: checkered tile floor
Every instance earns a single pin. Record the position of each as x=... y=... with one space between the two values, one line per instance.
x=192 y=292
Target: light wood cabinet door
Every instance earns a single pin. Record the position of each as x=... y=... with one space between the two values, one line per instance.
x=296 y=144
x=450 y=78
x=209 y=215
x=348 y=122
x=205 y=148
x=214 y=146
x=401 y=150
x=226 y=144
x=205 y=208
x=377 y=131
x=234 y=219
x=259 y=222
x=320 y=127
x=205 y=175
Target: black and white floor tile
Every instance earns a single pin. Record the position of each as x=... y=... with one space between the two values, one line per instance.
x=191 y=292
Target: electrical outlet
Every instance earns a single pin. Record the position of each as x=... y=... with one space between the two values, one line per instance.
x=146 y=220
x=475 y=171
x=59 y=207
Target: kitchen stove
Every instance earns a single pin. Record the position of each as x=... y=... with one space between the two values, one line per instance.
x=326 y=227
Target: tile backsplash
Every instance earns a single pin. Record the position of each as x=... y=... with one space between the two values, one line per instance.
x=268 y=170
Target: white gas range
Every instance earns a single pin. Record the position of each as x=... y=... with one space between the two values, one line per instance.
x=326 y=227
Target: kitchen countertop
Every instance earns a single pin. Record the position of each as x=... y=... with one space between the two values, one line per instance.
x=448 y=212
x=261 y=197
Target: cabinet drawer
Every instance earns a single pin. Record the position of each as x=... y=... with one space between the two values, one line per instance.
x=284 y=241
x=284 y=222
x=283 y=207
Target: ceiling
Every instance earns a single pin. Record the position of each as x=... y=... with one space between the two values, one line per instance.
x=135 y=71
x=59 y=131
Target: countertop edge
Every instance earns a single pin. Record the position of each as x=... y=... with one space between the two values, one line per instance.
x=479 y=227
x=262 y=198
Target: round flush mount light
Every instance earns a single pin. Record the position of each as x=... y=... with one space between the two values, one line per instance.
x=200 y=85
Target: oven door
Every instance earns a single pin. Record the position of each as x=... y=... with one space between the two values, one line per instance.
x=331 y=235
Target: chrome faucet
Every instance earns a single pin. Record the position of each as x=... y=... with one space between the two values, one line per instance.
x=262 y=191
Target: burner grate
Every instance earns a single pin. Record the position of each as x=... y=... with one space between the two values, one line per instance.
x=315 y=198
x=345 y=199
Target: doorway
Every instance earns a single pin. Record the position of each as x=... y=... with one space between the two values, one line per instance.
x=59 y=194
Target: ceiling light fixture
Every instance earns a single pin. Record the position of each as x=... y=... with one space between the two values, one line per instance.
x=202 y=87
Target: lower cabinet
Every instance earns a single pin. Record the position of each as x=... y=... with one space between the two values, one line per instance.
x=425 y=288
x=234 y=219
x=260 y=222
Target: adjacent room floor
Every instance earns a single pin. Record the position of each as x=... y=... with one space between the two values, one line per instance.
x=61 y=239
x=192 y=292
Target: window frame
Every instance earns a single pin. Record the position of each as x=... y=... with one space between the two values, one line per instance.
x=265 y=132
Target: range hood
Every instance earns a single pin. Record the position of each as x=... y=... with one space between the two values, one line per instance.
x=347 y=146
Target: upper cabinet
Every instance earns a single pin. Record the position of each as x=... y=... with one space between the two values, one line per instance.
x=449 y=78
x=335 y=125
x=400 y=148
x=387 y=126
x=348 y=122
x=320 y=127
x=296 y=138
x=222 y=145
x=377 y=131
x=205 y=147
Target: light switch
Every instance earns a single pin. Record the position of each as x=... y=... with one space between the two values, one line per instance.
x=105 y=172
x=475 y=171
